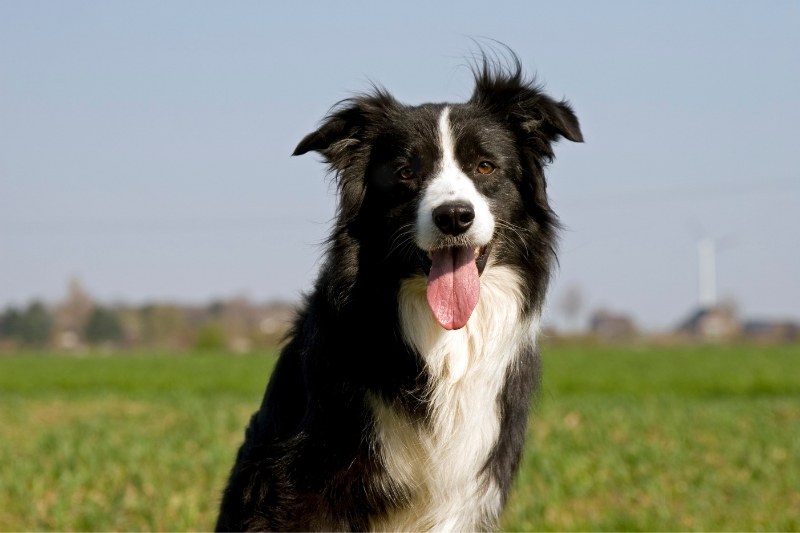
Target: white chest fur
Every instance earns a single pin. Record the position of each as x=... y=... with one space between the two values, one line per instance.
x=441 y=462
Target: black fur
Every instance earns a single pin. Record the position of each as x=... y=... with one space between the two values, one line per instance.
x=309 y=460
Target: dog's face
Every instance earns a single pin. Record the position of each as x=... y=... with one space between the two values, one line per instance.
x=443 y=190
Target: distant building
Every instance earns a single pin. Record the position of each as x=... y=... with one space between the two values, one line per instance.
x=772 y=331
x=612 y=326
x=712 y=323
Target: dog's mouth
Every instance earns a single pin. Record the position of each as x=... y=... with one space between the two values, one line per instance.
x=481 y=256
x=454 y=282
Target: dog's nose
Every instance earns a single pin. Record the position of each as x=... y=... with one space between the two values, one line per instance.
x=453 y=219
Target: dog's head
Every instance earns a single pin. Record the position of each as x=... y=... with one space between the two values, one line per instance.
x=443 y=190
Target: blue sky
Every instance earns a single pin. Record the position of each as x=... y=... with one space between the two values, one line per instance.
x=144 y=146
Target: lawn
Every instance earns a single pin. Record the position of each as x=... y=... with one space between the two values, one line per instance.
x=622 y=438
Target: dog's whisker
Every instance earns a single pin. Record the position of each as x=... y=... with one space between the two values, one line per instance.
x=402 y=241
x=518 y=232
x=402 y=233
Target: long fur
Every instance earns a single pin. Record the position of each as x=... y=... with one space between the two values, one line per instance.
x=376 y=417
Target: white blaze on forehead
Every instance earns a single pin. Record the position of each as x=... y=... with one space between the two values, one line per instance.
x=446 y=141
x=451 y=185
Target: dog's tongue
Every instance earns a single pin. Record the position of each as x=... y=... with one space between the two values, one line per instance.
x=453 y=286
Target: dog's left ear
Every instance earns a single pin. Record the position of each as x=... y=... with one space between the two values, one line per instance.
x=557 y=118
x=525 y=107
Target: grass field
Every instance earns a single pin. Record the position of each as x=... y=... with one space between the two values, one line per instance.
x=622 y=438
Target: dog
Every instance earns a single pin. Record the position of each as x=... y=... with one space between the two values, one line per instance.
x=401 y=397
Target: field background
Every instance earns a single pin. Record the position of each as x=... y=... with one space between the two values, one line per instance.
x=622 y=438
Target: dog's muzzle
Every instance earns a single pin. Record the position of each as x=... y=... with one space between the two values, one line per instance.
x=454 y=266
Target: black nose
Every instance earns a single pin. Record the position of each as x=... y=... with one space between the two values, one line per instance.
x=453 y=219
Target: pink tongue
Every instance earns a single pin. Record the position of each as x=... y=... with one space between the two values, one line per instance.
x=453 y=286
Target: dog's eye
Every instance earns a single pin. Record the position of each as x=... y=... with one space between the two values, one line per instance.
x=406 y=173
x=485 y=168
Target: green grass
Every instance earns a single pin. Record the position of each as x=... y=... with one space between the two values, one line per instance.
x=622 y=438
x=646 y=438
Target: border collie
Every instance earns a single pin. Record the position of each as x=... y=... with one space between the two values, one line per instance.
x=401 y=398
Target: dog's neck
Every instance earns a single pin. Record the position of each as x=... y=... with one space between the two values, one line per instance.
x=441 y=461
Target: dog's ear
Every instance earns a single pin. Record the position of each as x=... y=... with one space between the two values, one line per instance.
x=557 y=118
x=340 y=126
x=346 y=128
x=538 y=118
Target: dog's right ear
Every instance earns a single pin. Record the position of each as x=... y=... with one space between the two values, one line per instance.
x=341 y=126
x=346 y=128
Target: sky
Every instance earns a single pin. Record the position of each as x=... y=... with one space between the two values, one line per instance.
x=145 y=146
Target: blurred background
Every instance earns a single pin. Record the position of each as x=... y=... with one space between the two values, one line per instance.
x=145 y=169
x=153 y=224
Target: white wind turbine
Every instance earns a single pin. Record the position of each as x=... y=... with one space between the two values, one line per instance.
x=707 y=248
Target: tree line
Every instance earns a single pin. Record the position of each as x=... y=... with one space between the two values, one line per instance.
x=33 y=326
x=78 y=322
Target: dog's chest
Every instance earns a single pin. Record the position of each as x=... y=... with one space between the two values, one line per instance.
x=441 y=462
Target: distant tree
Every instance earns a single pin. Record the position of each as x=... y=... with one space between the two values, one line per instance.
x=103 y=326
x=571 y=303
x=163 y=325
x=215 y=308
x=9 y=323
x=209 y=338
x=131 y=321
x=237 y=318
x=72 y=314
x=35 y=325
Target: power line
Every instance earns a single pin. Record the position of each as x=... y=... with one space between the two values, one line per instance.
x=210 y=224
x=715 y=192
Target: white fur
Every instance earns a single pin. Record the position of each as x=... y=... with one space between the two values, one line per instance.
x=450 y=184
x=440 y=461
